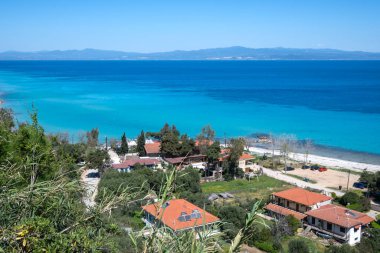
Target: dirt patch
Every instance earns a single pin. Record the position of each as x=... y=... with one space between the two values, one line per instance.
x=329 y=178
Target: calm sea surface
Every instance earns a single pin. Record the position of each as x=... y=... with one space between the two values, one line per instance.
x=335 y=103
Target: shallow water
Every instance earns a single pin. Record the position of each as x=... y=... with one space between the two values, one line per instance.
x=335 y=103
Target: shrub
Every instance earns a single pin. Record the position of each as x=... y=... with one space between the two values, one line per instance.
x=293 y=222
x=298 y=246
x=349 y=198
x=266 y=246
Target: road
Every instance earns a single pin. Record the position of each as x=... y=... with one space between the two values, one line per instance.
x=299 y=183
x=90 y=184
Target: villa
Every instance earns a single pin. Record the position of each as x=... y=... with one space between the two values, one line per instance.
x=296 y=201
x=339 y=222
x=180 y=215
x=196 y=161
x=318 y=214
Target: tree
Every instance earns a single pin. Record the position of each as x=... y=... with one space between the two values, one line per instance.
x=298 y=246
x=286 y=143
x=231 y=168
x=186 y=146
x=92 y=137
x=293 y=223
x=349 y=198
x=213 y=153
x=97 y=159
x=205 y=139
x=170 y=146
x=124 y=145
x=140 y=148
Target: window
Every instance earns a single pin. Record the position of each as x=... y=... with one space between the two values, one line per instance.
x=355 y=230
x=342 y=230
x=356 y=238
x=329 y=226
x=287 y=203
x=312 y=220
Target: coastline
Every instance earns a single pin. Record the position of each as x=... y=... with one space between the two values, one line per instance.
x=323 y=160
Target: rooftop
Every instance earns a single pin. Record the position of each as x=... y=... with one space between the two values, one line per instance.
x=302 y=196
x=284 y=211
x=179 y=214
x=340 y=216
x=134 y=161
x=152 y=148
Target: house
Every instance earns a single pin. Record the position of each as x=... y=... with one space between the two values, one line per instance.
x=129 y=164
x=247 y=164
x=153 y=149
x=296 y=201
x=341 y=223
x=179 y=215
x=196 y=161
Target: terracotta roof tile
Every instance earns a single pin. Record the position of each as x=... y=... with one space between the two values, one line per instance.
x=284 y=211
x=170 y=215
x=152 y=148
x=340 y=215
x=134 y=161
x=302 y=196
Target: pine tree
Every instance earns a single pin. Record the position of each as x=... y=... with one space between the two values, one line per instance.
x=141 y=144
x=124 y=145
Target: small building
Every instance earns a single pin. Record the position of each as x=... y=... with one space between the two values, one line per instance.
x=153 y=149
x=341 y=223
x=247 y=164
x=179 y=215
x=129 y=164
x=296 y=201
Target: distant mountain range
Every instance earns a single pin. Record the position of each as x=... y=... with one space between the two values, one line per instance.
x=228 y=53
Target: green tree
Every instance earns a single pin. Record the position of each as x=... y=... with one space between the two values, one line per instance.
x=205 y=139
x=213 y=153
x=92 y=137
x=97 y=159
x=140 y=148
x=170 y=146
x=124 y=145
x=298 y=246
x=231 y=168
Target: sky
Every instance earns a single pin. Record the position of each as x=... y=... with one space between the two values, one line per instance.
x=165 y=25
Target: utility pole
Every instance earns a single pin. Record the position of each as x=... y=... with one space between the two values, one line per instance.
x=348 y=179
x=106 y=143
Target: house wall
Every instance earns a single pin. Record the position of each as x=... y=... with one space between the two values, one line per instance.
x=291 y=205
x=351 y=235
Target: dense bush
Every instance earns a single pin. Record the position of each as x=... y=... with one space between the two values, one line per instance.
x=298 y=246
x=356 y=202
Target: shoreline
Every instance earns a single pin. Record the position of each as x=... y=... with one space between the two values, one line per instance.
x=323 y=160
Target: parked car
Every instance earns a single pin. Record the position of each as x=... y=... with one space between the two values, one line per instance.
x=305 y=167
x=314 y=167
x=288 y=168
x=360 y=185
x=322 y=169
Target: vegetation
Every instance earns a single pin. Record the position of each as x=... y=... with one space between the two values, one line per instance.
x=373 y=180
x=355 y=201
x=140 y=148
x=123 y=146
x=298 y=246
x=231 y=168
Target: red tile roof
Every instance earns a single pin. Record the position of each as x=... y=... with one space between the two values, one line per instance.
x=340 y=215
x=177 y=207
x=284 y=211
x=246 y=156
x=152 y=148
x=203 y=142
x=134 y=161
x=302 y=196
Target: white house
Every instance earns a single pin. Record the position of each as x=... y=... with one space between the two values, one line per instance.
x=341 y=223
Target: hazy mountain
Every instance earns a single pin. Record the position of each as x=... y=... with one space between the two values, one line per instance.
x=229 y=53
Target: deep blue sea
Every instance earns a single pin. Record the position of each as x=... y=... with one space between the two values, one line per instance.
x=335 y=103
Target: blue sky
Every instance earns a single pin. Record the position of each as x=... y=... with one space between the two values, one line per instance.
x=163 y=25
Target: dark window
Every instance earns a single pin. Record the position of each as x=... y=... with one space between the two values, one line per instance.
x=312 y=220
x=342 y=230
x=329 y=226
x=287 y=203
x=355 y=229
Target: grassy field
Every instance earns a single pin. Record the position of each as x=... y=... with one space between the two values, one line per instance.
x=255 y=188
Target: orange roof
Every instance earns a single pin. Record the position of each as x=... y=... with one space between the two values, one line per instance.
x=284 y=211
x=302 y=196
x=246 y=156
x=340 y=215
x=152 y=148
x=203 y=142
x=170 y=215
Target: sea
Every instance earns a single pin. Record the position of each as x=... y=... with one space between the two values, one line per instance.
x=334 y=103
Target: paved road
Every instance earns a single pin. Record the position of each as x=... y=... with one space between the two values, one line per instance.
x=283 y=177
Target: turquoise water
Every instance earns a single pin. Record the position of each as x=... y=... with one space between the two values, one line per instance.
x=335 y=103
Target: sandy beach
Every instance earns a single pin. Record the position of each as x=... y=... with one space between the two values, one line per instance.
x=325 y=161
